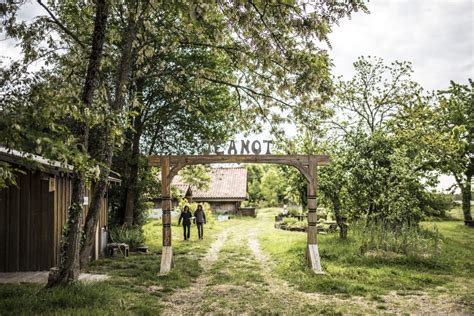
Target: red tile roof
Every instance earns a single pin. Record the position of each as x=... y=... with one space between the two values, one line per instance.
x=225 y=184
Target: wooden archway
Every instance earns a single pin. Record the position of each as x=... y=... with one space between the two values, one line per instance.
x=306 y=164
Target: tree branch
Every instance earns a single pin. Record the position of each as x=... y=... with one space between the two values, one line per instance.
x=61 y=26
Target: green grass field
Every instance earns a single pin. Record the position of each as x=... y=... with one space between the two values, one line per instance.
x=350 y=273
x=353 y=282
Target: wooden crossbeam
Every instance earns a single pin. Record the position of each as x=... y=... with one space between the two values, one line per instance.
x=208 y=159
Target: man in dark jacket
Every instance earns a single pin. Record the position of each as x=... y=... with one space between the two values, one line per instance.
x=186 y=216
x=200 y=220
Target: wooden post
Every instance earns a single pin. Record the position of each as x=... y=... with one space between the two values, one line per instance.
x=167 y=252
x=312 y=253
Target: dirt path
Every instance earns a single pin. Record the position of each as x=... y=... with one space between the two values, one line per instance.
x=184 y=301
x=238 y=278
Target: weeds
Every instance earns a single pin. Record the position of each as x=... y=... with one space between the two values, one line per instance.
x=133 y=236
x=383 y=239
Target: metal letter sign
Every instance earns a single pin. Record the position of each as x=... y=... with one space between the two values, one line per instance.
x=246 y=147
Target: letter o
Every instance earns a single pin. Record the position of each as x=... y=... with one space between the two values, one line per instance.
x=256 y=149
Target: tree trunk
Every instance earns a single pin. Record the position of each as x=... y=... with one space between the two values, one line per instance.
x=132 y=184
x=466 y=200
x=340 y=220
x=69 y=267
x=117 y=105
x=93 y=215
x=132 y=193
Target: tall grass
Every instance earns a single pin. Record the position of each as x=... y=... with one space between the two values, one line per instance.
x=133 y=236
x=410 y=240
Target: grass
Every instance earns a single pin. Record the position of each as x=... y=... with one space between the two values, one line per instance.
x=75 y=299
x=237 y=283
x=351 y=273
x=135 y=286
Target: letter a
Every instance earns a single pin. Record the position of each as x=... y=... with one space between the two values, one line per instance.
x=232 y=148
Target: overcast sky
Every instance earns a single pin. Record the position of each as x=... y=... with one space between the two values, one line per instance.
x=435 y=35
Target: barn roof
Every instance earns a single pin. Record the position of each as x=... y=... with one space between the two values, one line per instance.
x=31 y=161
x=225 y=184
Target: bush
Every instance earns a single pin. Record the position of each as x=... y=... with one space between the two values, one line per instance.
x=294 y=210
x=437 y=204
x=321 y=213
x=291 y=222
x=132 y=236
x=408 y=240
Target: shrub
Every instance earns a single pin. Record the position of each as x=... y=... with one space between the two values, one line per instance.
x=133 y=236
x=291 y=222
x=294 y=210
x=321 y=212
x=437 y=204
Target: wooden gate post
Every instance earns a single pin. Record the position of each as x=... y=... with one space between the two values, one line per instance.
x=167 y=251
x=312 y=252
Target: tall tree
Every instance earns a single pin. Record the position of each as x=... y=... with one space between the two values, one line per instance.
x=455 y=122
x=116 y=104
x=69 y=267
x=441 y=128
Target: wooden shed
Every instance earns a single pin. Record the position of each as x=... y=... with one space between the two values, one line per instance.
x=33 y=213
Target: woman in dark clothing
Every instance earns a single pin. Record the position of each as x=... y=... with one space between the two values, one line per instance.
x=200 y=220
x=186 y=217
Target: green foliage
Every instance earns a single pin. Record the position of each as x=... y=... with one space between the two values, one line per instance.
x=441 y=128
x=268 y=186
x=255 y=173
x=271 y=186
x=133 y=236
x=196 y=176
x=291 y=222
x=7 y=175
x=373 y=173
x=437 y=204
x=293 y=210
x=147 y=188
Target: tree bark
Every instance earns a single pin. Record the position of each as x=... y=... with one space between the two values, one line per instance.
x=93 y=215
x=117 y=105
x=133 y=180
x=466 y=200
x=69 y=267
x=340 y=220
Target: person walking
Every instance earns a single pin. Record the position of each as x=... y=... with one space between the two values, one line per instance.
x=200 y=220
x=186 y=216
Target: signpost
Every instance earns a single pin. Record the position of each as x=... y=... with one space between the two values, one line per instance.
x=242 y=147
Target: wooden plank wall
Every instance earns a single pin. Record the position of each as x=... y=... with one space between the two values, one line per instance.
x=32 y=221
x=26 y=223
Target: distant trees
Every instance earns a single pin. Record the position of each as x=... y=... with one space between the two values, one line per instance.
x=388 y=140
x=442 y=129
